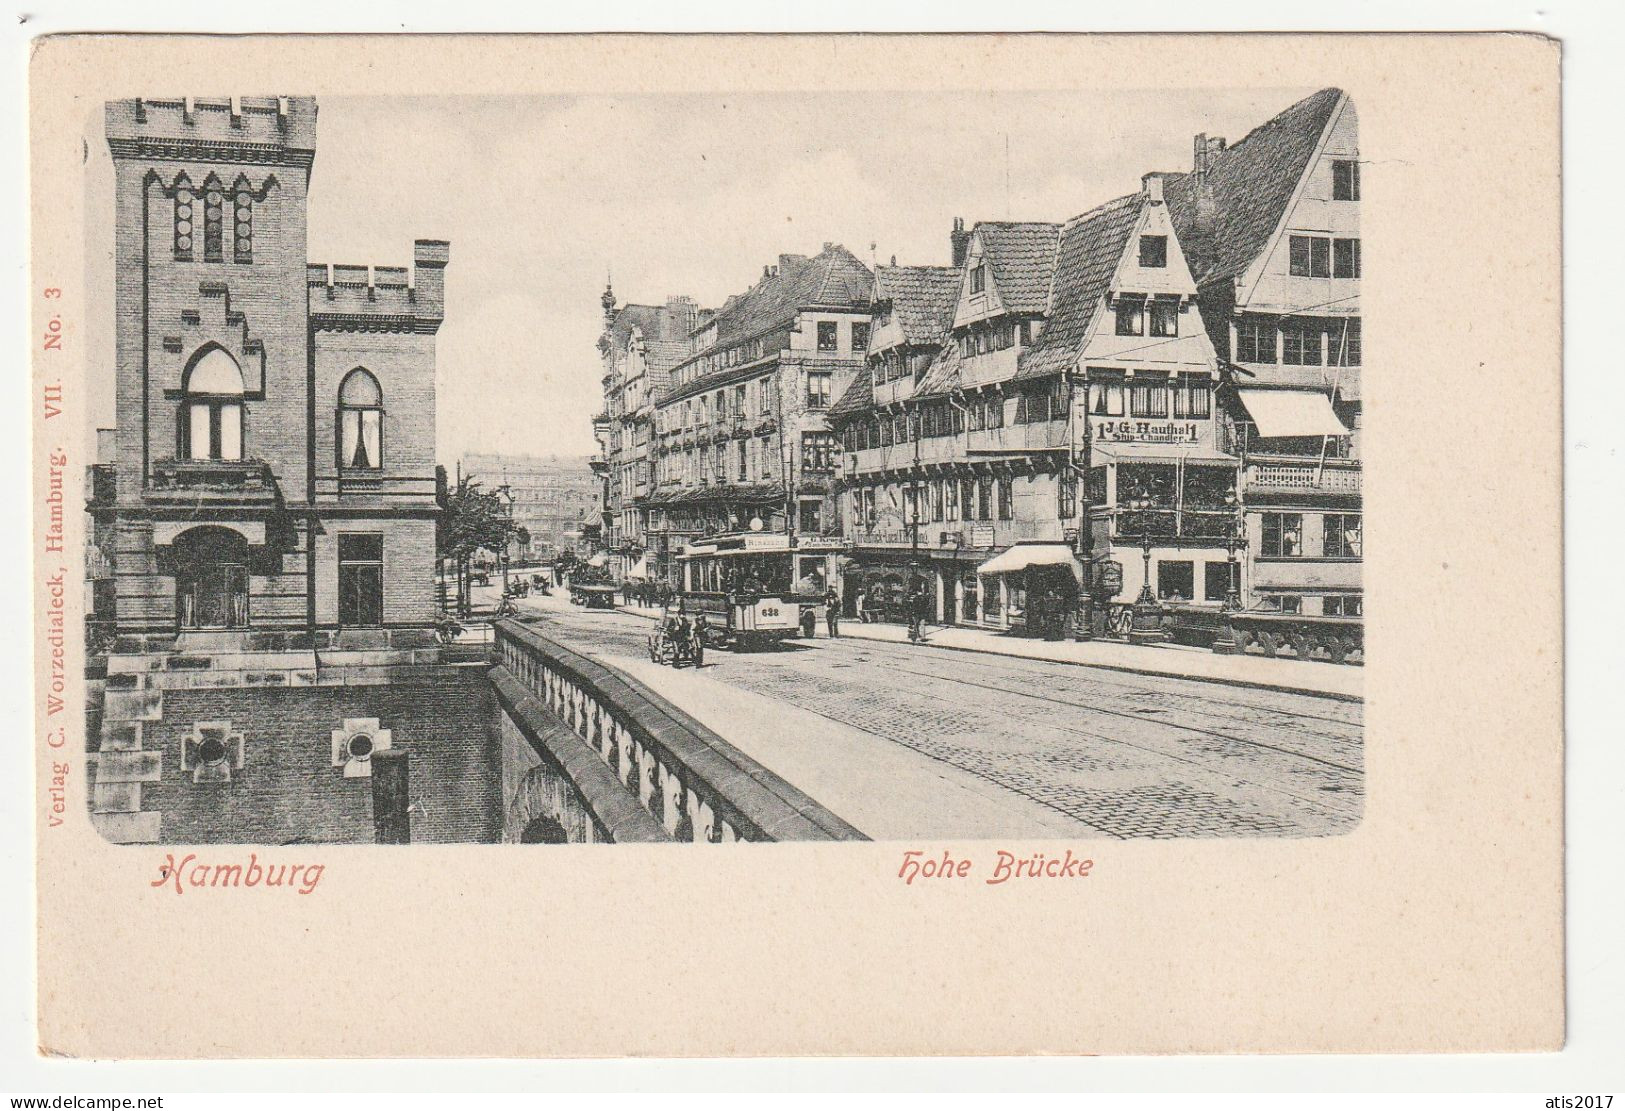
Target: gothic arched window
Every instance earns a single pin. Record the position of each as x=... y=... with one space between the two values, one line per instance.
x=212 y=412
x=361 y=421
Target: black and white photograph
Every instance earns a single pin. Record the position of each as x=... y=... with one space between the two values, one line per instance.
x=1008 y=484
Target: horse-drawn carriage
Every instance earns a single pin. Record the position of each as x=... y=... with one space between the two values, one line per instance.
x=678 y=639
x=595 y=596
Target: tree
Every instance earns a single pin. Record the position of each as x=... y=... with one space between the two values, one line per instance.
x=471 y=519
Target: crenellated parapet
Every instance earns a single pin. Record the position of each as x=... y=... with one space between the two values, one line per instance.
x=264 y=130
x=346 y=298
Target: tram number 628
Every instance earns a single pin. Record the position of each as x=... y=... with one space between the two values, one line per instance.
x=770 y=611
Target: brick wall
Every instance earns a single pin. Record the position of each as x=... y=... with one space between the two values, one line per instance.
x=289 y=791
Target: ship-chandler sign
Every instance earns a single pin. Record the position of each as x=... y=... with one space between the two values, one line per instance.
x=1147 y=431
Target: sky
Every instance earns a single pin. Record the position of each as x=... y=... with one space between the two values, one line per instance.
x=541 y=198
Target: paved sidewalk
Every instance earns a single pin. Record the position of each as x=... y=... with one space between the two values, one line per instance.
x=1173 y=661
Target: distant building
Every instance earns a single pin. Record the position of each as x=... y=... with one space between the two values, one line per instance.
x=640 y=346
x=741 y=435
x=552 y=495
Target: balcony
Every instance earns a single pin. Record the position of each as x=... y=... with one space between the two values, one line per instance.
x=232 y=480
x=1290 y=474
x=951 y=536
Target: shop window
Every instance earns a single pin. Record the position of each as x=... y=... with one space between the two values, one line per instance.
x=1342 y=605
x=1283 y=534
x=1175 y=580
x=361 y=419
x=1345 y=258
x=860 y=336
x=1153 y=251
x=212 y=412
x=1130 y=316
x=1345 y=179
x=828 y=336
x=1164 y=317
x=1343 y=535
x=1216 y=580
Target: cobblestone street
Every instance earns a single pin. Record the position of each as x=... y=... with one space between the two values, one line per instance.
x=1126 y=754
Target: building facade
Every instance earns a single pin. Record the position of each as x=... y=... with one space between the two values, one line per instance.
x=550 y=495
x=640 y=346
x=740 y=434
x=1274 y=227
x=274 y=450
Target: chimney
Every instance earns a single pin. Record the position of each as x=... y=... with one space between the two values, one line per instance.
x=1151 y=186
x=1202 y=182
x=429 y=259
x=959 y=242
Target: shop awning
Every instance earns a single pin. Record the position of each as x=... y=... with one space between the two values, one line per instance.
x=1291 y=413
x=640 y=569
x=598 y=560
x=1019 y=557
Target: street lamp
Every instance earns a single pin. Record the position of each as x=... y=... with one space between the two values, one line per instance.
x=1147 y=622
x=507 y=531
x=1225 y=643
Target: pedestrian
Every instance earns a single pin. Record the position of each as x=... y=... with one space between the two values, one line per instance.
x=863 y=614
x=832 y=612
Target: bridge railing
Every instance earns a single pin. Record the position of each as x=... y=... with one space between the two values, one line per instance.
x=645 y=770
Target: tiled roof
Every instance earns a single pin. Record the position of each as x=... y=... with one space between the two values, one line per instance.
x=922 y=298
x=942 y=376
x=1090 y=248
x=1023 y=260
x=1252 y=182
x=859 y=395
x=833 y=277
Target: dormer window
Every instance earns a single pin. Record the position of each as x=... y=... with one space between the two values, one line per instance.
x=828 y=336
x=1153 y=251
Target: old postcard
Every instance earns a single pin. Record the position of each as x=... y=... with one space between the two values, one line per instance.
x=797 y=545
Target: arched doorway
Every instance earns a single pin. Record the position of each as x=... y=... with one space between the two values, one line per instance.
x=544 y=831
x=211 y=578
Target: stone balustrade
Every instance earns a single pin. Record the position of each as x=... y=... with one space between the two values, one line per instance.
x=620 y=763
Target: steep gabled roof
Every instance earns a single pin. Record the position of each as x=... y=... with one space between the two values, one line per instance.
x=859 y=396
x=1091 y=246
x=832 y=278
x=1022 y=256
x=942 y=376
x=922 y=299
x=1253 y=182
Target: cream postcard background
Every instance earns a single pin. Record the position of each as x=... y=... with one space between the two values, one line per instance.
x=1435 y=926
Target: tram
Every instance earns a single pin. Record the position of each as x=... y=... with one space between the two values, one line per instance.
x=755 y=588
